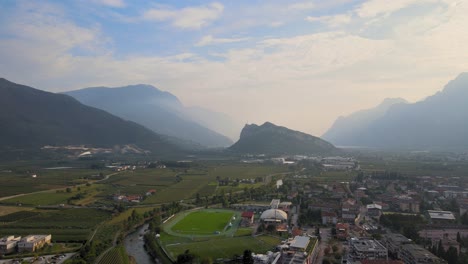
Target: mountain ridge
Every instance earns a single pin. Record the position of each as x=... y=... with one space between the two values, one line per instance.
x=269 y=138
x=157 y=110
x=32 y=118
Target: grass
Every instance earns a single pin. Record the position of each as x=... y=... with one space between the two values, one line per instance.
x=21 y=181
x=226 y=247
x=4 y=210
x=203 y=222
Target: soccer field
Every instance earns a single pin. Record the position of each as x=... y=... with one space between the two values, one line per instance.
x=203 y=222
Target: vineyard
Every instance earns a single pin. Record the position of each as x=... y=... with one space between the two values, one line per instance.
x=115 y=256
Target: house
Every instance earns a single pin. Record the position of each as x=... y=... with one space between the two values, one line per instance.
x=342 y=231
x=247 y=218
x=374 y=210
x=349 y=210
x=33 y=242
x=329 y=218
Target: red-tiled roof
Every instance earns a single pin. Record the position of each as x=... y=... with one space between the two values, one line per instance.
x=247 y=214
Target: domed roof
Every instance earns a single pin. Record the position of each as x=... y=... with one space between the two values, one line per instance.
x=274 y=214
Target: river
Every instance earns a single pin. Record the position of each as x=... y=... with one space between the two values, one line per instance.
x=134 y=245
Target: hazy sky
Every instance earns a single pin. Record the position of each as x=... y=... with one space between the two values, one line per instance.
x=295 y=63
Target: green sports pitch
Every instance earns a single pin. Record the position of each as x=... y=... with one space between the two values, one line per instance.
x=205 y=222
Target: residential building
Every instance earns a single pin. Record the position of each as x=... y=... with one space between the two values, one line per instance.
x=374 y=210
x=329 y=218
x=33 y=242
x=436 y=233
x=394 y=242
x=365 y=248
x=342 y=231
x=415 y=254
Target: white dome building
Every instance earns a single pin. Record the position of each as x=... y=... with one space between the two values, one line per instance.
x=274 y=215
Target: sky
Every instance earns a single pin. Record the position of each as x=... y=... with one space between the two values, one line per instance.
x=299 y=64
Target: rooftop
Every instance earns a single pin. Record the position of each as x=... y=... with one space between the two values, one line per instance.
x=444 y=215
x=363 y=244
x=300 y=242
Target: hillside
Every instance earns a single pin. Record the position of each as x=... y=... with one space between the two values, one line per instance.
x=440 y=122
x=346 y=129
x=159 y=111
x=31 y=118
x=271 y=139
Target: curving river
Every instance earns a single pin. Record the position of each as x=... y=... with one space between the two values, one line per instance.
x=135 y=246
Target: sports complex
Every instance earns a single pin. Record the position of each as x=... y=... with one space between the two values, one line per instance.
x=211 y=232
x=203 y=223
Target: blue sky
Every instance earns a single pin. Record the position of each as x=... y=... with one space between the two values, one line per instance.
x=297 y=63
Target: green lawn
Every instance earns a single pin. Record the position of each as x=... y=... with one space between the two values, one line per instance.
x=203 y=222
x=226 y=247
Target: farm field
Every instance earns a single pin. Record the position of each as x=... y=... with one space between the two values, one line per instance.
x=203 y=222
x=225 y=247
x=64 y=224
x=21 y=181
x=115 y=256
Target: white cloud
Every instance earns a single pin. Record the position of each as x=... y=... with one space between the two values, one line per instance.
x=306 y=5
x=331 y=21
x=210 y=40
x=375 y=8
x=303 y=81
x=111 y=3
x=188 y=17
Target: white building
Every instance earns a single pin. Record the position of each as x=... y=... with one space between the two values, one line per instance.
x=33 y=242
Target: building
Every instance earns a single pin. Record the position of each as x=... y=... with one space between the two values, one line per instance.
x=299 y=243
x=33 y=242
x=440 y=217
x=274 y=215
x=436 y=233
x=342 y=231
x=415 y=254
x=374 y=210
x=8 y=244
x=329 y=218
x=394 y=242
x=349 y=210
x=247 y=218
x=274 y=203
x=364 y=248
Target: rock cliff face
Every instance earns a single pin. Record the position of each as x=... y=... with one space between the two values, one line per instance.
x=272 y=139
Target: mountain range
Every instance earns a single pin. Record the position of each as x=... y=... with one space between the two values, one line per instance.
x=271 y=139
x=31 y=118
x=157 y=110
x=439 y=122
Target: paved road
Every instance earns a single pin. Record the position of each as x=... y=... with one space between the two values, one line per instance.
x=325 y=233
x=45 y=259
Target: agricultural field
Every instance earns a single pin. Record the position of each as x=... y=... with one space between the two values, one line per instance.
x=334 y=176
x=204 y=222
x=22 y=181
x=115 y=256
x=64 y=225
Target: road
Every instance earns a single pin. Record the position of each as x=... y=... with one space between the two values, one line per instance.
x=325 y=234
x=45 y=259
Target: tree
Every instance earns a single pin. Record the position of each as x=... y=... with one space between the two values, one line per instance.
x=452 y=255
x=69 y=190
x=247 y=257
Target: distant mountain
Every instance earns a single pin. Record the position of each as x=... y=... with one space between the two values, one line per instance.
x=31 y=118
x=346 y=129
x=272 y=139
x=440 y=122
x=215 y=121
x=159 y=111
